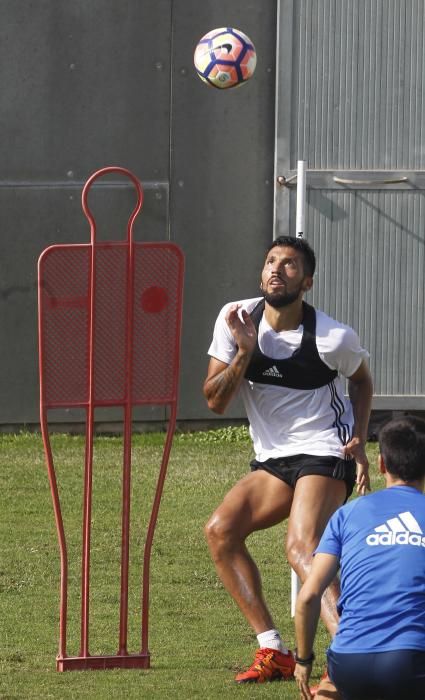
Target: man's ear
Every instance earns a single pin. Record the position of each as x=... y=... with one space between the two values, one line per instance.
x=381 y=464
x=307 y=284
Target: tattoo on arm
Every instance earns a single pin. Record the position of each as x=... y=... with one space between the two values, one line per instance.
x=221 y=388
x=224 y=384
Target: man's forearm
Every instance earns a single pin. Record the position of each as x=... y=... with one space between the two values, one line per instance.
x=220 y=389
x=361 y=399
x=306 y=619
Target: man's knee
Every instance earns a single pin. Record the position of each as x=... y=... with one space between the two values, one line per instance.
x=218 y=533
x=223 y=534
x=299 y=553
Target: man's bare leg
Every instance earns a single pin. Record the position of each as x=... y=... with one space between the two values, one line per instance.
x=256 y=502
x=316 y=498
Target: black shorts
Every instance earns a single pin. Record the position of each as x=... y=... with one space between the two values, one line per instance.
x=290 y=469
x=392 y=675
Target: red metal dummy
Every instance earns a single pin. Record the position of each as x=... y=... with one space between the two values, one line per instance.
x=109 y=335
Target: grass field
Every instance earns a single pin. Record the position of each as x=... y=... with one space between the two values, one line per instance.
x=198 y=639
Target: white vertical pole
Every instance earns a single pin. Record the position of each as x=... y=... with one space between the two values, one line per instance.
x=295 y=589
x=299 y=232
x=301 y=198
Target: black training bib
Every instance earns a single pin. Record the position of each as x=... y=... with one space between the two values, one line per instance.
x=303 y=370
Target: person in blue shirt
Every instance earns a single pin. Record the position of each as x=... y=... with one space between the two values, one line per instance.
x=378 y=542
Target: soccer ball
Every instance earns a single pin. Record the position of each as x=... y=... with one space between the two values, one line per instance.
x=225 y=58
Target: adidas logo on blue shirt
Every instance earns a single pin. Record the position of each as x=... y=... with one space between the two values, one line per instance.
x=403 y=529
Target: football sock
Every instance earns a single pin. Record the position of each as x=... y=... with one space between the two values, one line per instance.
x=271 y=639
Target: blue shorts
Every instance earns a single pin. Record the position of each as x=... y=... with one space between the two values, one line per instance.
x=387 y=675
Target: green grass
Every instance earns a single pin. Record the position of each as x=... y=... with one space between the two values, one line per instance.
x=198 y=639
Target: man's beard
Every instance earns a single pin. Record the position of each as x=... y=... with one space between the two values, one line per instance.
x=281 y=299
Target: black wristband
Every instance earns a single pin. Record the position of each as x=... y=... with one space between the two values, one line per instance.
x=304 y=662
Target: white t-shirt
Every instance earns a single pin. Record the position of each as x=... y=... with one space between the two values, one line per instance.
x=283 y=421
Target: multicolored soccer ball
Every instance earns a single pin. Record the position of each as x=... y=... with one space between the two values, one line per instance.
x=225 y=58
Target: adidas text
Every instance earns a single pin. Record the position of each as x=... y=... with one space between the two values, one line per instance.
x=402 y=529
x=389 y=538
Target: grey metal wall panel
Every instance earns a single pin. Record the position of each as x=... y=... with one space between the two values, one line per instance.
x=359 y=84
x=353 y=103
x=84 y=84
x=90 y=83
x=222 y=179
x=371 y=276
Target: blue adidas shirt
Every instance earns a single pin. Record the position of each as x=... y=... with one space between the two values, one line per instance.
x=380 y=541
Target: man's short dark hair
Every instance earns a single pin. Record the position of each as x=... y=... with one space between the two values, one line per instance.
x=302 y=246
x=402 y=446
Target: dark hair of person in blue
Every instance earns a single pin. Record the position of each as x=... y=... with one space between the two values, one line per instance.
x=402 y=446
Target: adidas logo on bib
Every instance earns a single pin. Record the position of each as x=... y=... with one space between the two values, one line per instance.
x=272 y=372
x=404 y=529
